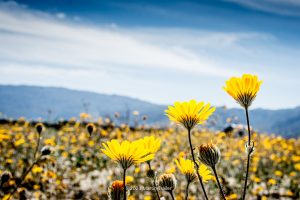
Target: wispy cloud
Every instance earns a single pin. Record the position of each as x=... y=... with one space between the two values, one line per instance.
x=39 y=38
x=156 y=64
x=282 y=7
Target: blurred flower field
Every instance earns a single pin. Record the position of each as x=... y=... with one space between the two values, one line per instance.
x=77 y=168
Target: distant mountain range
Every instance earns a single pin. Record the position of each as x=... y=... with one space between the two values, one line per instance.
x=51 y=103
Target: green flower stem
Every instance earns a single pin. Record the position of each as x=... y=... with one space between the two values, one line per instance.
x=38 y=145
x=248 y=125
x=187 y=190
x=171 y=194
x=124 y=183
x=154 y=181
x=248 y=154
x=219 y=184
x=196 y=164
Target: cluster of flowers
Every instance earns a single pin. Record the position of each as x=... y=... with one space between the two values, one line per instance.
x=203 y=158
x=188 y=114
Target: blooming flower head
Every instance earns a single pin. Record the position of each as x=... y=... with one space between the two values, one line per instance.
x=187 y=168
x=243 y=89
x=151 y=143
x=127 y=153
x=205 y=173
x=189 y=114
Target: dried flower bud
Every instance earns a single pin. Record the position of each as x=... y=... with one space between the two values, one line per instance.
x=116 y=190
x=39 y=128
x=167 y=182
x=5 y=177
x=46 y=151
x=90 y=128
x=150 y=173
x=209 y=154
x=249 y=148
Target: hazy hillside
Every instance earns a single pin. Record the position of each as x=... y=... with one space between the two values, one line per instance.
x=33 y=102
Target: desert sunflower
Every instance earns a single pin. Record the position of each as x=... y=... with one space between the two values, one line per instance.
x=244 y=90
x=189 y=114
x=151 y=143
x=187 y=168
x=204 y=173
x=126 y=154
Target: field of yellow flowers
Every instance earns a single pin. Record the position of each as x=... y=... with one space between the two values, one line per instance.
x=76 y=168
x=79 y=160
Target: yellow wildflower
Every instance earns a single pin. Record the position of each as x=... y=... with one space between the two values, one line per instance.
x=272 y=181
x=151 y=143
x=127 y=153
x=232 y=197
x=278 y=173
x=189 y=114
x=19 y=142
x=297 y=166
x=243 y=89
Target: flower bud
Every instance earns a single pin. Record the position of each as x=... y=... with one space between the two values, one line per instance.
x=209 y=154
x=46 y=151
x=150 y=173
x=167 y=182
x=116 y=190
x=39 y=128
x=5 y=177
x=90 y=128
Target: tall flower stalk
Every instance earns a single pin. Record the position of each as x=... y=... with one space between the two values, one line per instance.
x=196 y=165
x=126 y=154
x=244 y=90
x=190 y=114
x=152 y=145
x=151 y=174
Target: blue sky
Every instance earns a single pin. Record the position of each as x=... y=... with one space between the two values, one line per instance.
x=158 y=51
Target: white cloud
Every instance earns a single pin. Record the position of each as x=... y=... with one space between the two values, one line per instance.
x=28 y=37
x=282 y=7
x=156 y=64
